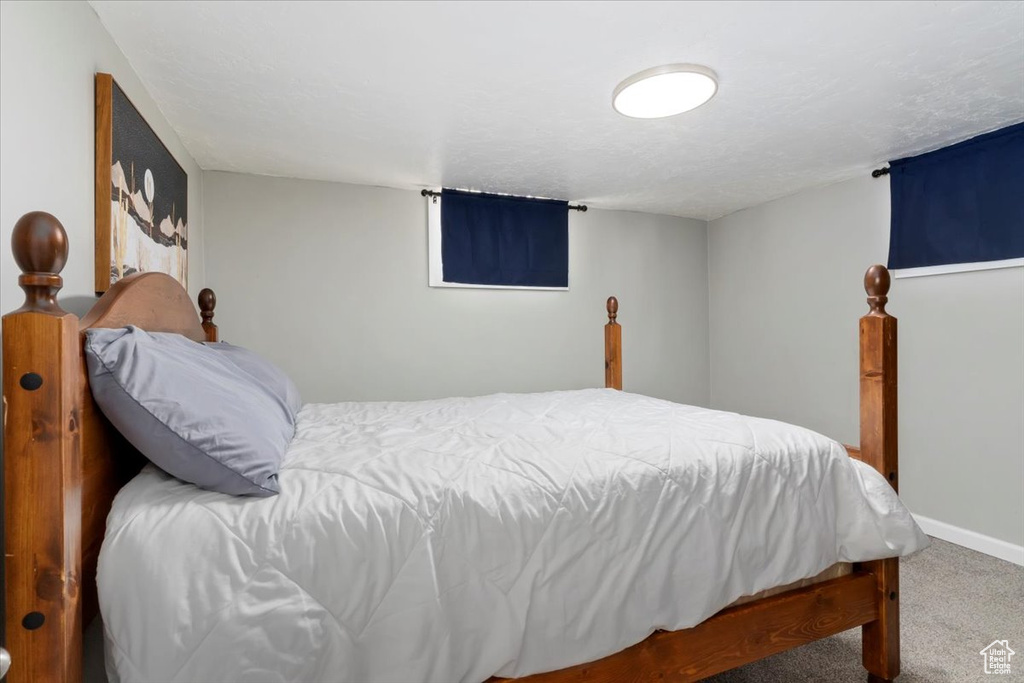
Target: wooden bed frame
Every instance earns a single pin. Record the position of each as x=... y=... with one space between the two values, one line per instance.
x=64 y=463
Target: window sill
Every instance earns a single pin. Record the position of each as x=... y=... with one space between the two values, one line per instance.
x=957 y=268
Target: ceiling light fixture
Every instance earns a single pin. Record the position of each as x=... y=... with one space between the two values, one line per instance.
x=665 y=91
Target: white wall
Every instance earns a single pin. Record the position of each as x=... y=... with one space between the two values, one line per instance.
x=330 y=281
x=49 y=53
x=786 y=294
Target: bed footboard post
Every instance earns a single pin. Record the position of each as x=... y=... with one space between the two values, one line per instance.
x=879 y=448
x=613 y=347
x=42 y=464
x=207 y=302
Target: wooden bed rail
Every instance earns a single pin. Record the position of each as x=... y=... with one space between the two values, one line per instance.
x=733 y=637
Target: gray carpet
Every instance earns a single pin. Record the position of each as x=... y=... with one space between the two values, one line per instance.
x=954 y=602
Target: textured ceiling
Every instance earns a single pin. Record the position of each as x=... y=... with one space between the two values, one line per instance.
x=516 y=97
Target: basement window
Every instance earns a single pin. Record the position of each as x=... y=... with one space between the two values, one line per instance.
x=494 y=241
x=960 y=207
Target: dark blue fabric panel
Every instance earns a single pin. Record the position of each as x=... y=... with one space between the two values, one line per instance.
x=491 y=239
x=959 y=204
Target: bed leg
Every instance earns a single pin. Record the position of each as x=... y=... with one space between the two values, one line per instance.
x=881 y=638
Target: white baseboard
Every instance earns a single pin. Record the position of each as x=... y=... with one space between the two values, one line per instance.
x=995 y=547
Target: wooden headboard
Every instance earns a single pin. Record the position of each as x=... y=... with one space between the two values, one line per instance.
x=55 y=515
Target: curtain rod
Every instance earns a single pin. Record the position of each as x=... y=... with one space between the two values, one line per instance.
x=572 y=207
x=879 y=172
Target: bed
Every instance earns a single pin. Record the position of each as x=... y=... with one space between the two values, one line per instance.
x=565 y=548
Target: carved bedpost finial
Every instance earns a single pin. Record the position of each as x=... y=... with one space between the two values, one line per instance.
x=613 y=308
x=207 y=302
x=40 y=248
x=876 y=284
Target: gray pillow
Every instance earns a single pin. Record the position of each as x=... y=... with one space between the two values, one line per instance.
x=272 y=377
x=189 y=409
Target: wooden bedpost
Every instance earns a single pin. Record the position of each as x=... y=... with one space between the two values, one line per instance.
x=879 y=448
x=42 y=464
x=613 y=347
x=207 y=302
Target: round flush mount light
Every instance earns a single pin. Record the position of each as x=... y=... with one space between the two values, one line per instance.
x=665 y=91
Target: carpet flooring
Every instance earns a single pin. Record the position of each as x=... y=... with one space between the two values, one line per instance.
x=954 y=602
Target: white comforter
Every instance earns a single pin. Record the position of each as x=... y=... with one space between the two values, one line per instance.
x=455 y=539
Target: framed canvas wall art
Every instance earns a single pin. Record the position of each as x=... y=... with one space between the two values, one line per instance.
x=141 y=194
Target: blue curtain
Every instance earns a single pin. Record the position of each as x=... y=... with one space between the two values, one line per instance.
x=959 y=204
x=491 y=239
